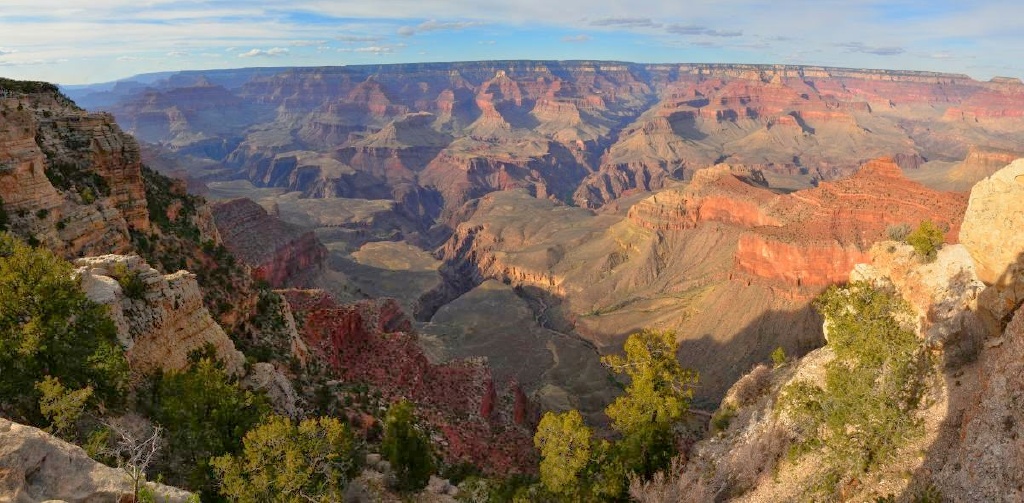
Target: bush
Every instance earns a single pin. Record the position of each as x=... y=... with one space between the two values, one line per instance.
x=131 y=282
x=407 y=448
x=205 y=414
x=4 y=219
x=50 y=329
x=898 y=232
x=778 y=357
x=281 y=461
x=753 y=385
x=867 y=408
x=722 y=417
x=927 y=239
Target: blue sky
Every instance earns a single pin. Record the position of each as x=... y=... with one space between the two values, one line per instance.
x=84 y=41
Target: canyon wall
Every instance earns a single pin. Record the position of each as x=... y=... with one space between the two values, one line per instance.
x=433 y=136
x=68 y=178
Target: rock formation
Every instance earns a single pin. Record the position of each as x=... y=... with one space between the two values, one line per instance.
x=372 y=343
x=970 y=447
x=991 y=232
x=275 y=250
x=68 y=178
x=681 y=257
x=39 y=467
x=160 y=319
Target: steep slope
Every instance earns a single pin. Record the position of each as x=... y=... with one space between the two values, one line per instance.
x=730 y=265
x=371 y=343
x=68 y=178
x=968 y=449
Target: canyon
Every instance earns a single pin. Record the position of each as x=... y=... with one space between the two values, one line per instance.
x=474 y=237
x=593 y=198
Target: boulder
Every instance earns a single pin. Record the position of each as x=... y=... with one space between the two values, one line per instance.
x=991 y=231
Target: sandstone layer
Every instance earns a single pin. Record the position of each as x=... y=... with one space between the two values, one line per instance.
x=68 y=178
x=992 y=233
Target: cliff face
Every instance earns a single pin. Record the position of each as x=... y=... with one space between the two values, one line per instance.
x=160 y=319
x=826 y=230
x=39 y=467
x=372 y=342
x=970 y=446
x=69 y=178
x=275 y=250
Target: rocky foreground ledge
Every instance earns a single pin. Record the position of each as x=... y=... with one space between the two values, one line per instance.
x=40 y=467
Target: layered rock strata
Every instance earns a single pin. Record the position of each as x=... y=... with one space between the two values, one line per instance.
x=160 y=318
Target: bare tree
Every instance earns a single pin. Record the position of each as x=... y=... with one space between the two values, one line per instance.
x=135 y=444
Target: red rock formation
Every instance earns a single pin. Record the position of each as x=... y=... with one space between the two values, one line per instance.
x=809 y=238
x=372 y=342
x=276 y=251
x=814 y=237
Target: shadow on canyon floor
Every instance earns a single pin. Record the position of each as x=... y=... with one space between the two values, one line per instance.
x=722 y=362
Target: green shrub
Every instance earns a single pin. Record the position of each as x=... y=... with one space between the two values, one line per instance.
x=49 y=328
x=867 y=408
x=205 y=414
x=282 y=461
x=42 y=213
x=722 y=417
x=927 y=239
x=407 y=448
x=4 y=219
x=131 y=282
x=778 y=357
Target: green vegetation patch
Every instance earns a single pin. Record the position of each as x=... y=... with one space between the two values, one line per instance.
x=867 y=408
x=577 y=466
x=54 y=341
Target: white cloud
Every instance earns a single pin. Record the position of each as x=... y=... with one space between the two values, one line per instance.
x=869 y=49
x=307 y=43
x=625 y=22
x=434 y=25
x=376 y=49
x=356 y=38
x=273 y=51
x=689 y=29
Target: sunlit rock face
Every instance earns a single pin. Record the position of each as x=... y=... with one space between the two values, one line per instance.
x=992 y=233
x=162 y=322
x=40 y=467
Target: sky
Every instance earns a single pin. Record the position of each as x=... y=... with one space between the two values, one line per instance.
x=89 y=41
